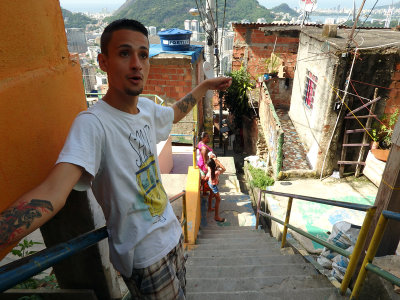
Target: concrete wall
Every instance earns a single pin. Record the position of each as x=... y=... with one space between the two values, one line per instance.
x=272 y=130
x=41 y=92
x=193 y=204
x=164 y=153
x=314 y=125
x=252 y=46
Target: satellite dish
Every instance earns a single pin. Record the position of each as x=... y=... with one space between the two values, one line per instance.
x=208 y=70
x=308 y=5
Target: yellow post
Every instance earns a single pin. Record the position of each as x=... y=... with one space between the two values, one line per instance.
x=355 y=256
x=288 y=210
x=373 y=247
x=185 y=226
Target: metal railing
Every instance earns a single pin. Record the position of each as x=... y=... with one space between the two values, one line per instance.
x=184 y=221
x=353 y=257
x=372 y=249
x=24 y=268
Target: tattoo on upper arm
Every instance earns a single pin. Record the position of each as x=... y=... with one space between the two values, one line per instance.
x=13 y=219
x=187 y=103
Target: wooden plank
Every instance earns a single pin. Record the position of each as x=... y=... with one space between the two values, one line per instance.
x=373 y=169
x=364 y=106
x=348 y=162
x=356 y=145
x=365 y=136
x=357 y=130
x=360 y=117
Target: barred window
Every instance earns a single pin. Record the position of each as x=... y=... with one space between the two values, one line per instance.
x=309 y=91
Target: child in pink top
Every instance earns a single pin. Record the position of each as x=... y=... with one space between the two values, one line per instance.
x=212 y=178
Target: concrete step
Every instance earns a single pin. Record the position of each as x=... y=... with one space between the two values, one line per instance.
x=244 y=260
x=231 y=229
x=261 y=284
x=298 y=294
x=249 y=271
x=220 y=245
x=237 y=240
x=225 y=233
x=214 y=234
x=234 y=252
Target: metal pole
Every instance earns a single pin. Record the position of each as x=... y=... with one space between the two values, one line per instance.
x=355 y=256
x=209 y=55
x=372 y=249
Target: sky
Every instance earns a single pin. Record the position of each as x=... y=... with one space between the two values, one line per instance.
x=110 y=5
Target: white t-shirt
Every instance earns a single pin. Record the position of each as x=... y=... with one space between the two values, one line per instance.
x=118 y=152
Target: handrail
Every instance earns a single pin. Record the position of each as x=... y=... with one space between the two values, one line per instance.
x=353 y=257
x=26 y=267
x=371 y=252
x=22 y=269
x=355 y=206
x=184 y=221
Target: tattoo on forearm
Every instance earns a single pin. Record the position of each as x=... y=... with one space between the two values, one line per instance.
x=14 y=219
x=187 y=103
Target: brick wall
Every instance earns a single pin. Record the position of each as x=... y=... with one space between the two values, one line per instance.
x=280 y=91
x=170 y=79
x=393 y=101
x=252 y=47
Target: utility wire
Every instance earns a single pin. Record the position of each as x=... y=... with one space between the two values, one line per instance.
x=201 y=18
x=223 y=23
x=373 y=7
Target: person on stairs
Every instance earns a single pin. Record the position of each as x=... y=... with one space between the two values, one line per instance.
x=212 y=178
x=202 y=156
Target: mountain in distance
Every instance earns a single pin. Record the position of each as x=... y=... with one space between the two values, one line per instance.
x=173 y=13
x=284 y=8
x=76 y=20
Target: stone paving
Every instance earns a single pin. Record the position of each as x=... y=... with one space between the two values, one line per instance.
x=293 y=150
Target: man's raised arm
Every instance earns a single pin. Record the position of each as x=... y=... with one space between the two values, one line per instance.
x=37 y=206
x=184 y=105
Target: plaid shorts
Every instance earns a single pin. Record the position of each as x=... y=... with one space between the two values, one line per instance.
x=165 y=279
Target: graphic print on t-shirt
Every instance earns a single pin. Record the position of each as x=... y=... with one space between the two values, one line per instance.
x=147 y=178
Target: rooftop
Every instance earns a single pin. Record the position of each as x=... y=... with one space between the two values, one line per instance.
x=364 y=38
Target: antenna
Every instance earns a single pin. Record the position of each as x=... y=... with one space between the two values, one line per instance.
x=389 y=15
x=306 y=7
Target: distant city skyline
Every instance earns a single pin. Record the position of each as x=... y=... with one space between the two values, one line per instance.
x=98 y=5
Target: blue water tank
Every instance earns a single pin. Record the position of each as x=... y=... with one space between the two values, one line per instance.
x=175 y=39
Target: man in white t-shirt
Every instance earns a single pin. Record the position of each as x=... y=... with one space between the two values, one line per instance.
x=111 y=148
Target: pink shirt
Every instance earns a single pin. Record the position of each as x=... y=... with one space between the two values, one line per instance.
x=200 y=162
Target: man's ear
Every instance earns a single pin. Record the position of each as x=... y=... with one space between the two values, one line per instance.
x=102 y=61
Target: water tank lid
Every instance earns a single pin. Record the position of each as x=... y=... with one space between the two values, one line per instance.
x=173 y=31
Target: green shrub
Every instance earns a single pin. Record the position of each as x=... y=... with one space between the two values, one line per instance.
x=259 y=178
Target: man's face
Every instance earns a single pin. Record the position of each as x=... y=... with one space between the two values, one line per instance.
x=127 y=62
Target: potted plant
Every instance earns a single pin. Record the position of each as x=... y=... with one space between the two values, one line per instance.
x=382 y=135
x=272 y=65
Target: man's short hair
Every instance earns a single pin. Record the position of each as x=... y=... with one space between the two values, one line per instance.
x=118 y=25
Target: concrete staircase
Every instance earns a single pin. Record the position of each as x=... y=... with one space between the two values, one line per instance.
x=233 y=260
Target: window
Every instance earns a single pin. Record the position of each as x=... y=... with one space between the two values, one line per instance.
x=309 y=91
